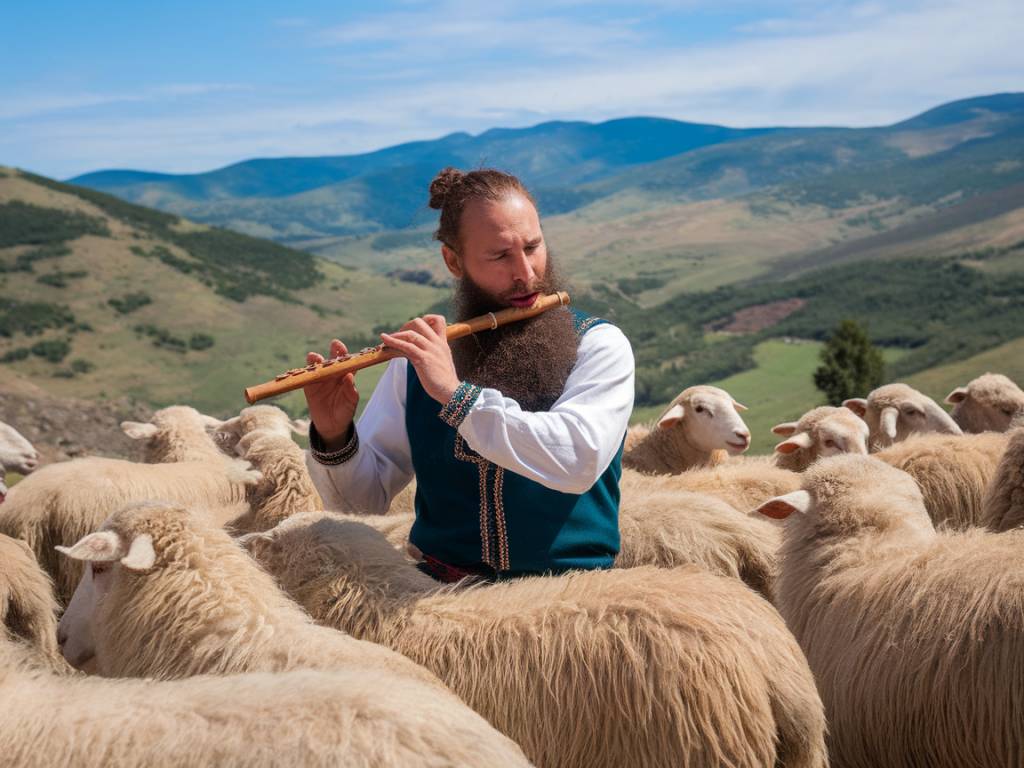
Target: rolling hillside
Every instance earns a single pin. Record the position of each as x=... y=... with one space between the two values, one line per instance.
x=100 y=298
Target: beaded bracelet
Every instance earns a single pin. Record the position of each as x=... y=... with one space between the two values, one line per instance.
x=457 y=408
x=318 y=451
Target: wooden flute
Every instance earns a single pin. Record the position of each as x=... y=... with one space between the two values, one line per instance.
x=296 y=378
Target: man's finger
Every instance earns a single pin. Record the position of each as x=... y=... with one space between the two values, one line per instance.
x=422 y=327
x=407 y=348
x=437 y=322
x=313 y=357
x=338 y=348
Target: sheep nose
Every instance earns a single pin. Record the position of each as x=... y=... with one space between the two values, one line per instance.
x=743 y=434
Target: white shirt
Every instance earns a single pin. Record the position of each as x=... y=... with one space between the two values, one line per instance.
x=566 y=448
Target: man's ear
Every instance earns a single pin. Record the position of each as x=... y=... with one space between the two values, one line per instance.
x=452 y=261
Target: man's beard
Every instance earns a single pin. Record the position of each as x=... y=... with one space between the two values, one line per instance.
x=527 y=360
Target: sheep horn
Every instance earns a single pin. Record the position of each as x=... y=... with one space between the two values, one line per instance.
x=887 y=421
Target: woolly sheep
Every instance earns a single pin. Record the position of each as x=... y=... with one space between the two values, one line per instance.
x=16 y=452
x=302 y=718
x=916 y=638
x=987 y=404
x=263 y=418
x=28 y=610
x=1003 y=504
x=62 y=502
x=699 y=428
x=286 y=487
x=823 y=431
x=177 y=433
x=896 y=411
x=170 y=595
x=645 y=666
x=952 y=471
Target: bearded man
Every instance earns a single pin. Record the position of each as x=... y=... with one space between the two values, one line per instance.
x=514 y=435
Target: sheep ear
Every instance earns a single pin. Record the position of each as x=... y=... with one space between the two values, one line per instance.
x=958 y=395
x=795 y=443
x=299 y=426
x=102 y=547
x=210 y=422
x=672 y=416
x=141 y=554
x=857 y=404
x=887 y=421
x=785 y=429
x=739 y=406
x=254 y=543
x=138 y=430
x=782 y=507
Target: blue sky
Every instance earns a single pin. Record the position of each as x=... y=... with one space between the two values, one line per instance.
x=190 y=86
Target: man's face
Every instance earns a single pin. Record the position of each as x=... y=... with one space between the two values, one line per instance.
x=502 y=250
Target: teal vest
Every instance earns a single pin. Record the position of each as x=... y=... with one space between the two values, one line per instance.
x=473 y=514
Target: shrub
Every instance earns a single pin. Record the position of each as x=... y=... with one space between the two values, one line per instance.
x=200 y=341
x=53 y=350
x=26 y=224
x=130 y=302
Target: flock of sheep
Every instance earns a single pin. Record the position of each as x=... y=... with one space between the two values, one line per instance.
x=856 y=599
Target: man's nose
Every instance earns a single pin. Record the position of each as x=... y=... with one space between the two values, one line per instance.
x=523 y=269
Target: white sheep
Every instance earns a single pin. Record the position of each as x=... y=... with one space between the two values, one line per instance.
x=823 y=431
x=303 y=718
x=700 y=427
x=644 y=666
x=264 y=418
x=28 y=610
x=916 y=638
x=16 y=452
x=896 y=411
x=741 y=484
x=952 y=471
x=1003 y=504
x=988 y=403
x=176 y=433
x=60 y=503
x=169 y=595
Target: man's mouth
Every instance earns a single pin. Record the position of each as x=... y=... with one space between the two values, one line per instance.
x=524 y=300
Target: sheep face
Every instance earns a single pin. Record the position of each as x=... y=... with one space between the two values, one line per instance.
x=710 y=418
x=989 y=403
x=108 y=556
x=267 y=418
x=820 y=433
x=16 y=453
x=843 y=495
x=895 y=411
x=168 y=424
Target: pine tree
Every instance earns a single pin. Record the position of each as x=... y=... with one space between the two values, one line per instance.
x=851 y=366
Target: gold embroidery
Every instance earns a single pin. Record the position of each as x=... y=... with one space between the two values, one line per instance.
x=499 y=519
x=483 y=465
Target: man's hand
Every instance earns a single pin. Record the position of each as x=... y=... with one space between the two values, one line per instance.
x=332 y=402
x=423 y=343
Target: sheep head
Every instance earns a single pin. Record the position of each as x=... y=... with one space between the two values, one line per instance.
x=843 y=495
x=16 y=453
x=265 y=418
x=172 y=430
x=893 y=412
x=710 y=418
x=821 y=432
x=989 y=403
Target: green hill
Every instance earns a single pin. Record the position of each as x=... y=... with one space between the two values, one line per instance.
x=101 y=298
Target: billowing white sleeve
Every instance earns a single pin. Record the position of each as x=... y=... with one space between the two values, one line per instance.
x=382 y=466
x=568 y=447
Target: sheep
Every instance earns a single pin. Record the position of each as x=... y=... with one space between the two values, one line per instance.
x=286 y=487
x=742 y=485
x=257 y=418
x=16 y=452
x=987 y=404
x=28 y=610
x=822 y=431
x=952 y=471
x=645 y=666
x=700 y=428
x=916 y=638
x=176 y=433
x=895 y=411
x=1003 y=504
x=169 y=595
x=60 y=503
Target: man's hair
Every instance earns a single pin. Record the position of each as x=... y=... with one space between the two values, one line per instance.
x=451 y=189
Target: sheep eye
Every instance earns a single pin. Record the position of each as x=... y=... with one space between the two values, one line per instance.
x=98 y=569
x=700 y=409
x=830 y=443
x=1007 y=411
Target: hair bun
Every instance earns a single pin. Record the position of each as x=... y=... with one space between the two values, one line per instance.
x=442 y=184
